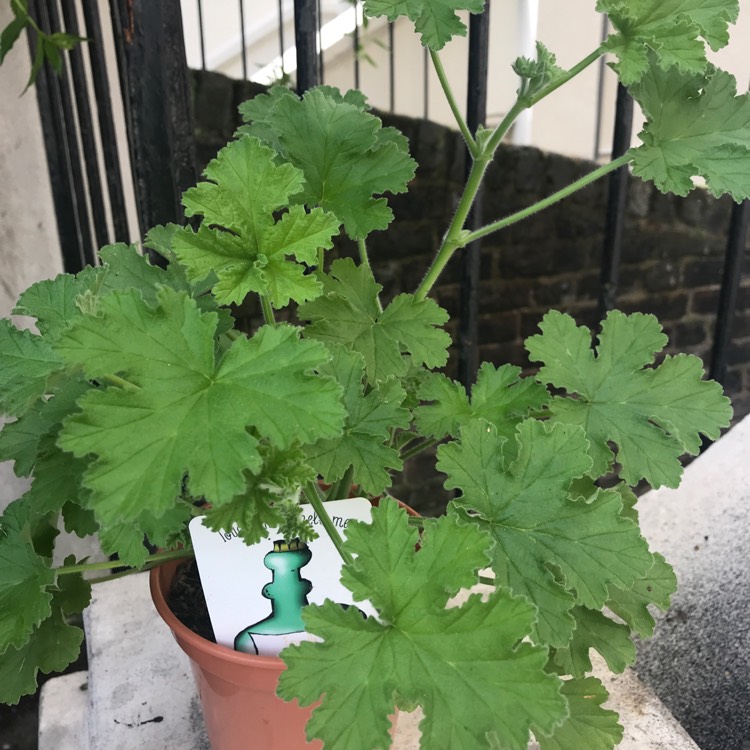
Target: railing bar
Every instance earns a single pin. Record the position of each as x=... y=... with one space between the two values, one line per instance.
x=476 y=115
x=355 y=42
x=242 y=39
x=616 y=201
x=86 y=130
x=202 y=35
x=281 y=36
x=730 y=283
x=426 y=84
x=319 y=41
x=53 y=129
x=392 y=66
x=61 y=91
x=156 y=92
x=108 y=136
x=306 y=27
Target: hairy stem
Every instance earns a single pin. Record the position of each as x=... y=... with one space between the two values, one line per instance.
x=268 y=315
x=313 y=496
x=571 y=73
x=151 y=560
x=340 y=489
x=549 y=201
x=451 y=99
x=415 y=449
x=452 y=240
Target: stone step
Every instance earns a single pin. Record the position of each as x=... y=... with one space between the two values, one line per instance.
x=141 y=692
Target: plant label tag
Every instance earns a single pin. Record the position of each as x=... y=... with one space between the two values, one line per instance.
x=255 y=593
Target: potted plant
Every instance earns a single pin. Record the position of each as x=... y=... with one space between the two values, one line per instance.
x=139 y=405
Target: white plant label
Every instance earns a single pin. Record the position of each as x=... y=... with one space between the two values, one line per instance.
x=255 y=593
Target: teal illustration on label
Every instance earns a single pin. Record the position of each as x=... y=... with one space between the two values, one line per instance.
x=287 y=592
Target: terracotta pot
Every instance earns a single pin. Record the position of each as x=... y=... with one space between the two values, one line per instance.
x=237 y=691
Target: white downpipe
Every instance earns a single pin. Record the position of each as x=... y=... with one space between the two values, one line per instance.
x=528 y=25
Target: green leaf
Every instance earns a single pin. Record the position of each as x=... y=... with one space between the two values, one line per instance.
x=52 y=302
x=695 y=125
x=347 y=157
x=240 y=240
x=667 y=33
x=595 y=630
x=73 y=592
x=19 y=440
x=182 y=410
x=79 y=520
x=589 y=726
x=52 y=646
x=655 y=587
x=57 y=303
x=348 y=314
x=363 y=445
x=51 y=53
x=26 y=362
x=36 y=65
x=517 y=491
x=478 y=684
x=57 y=479
x=537 y=74
x=27 y=440
x=436 y=20
x=65 y=41
x=257 y=508
x=24 y=580
x=127 y=540
x=10 y=35
x=499 y=395
x=653 y=415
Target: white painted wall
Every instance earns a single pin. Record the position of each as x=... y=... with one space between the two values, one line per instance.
x=29 y=248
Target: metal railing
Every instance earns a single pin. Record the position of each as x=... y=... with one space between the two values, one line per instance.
x=90 y=183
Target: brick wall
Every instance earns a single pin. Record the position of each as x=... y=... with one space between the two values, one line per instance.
x=671 y=265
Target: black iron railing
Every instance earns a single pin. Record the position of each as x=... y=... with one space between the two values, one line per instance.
x=90 y=185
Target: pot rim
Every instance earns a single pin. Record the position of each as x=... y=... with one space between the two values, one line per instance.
x=159 y=577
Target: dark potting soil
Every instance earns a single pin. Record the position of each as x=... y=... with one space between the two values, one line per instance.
x=187 y=602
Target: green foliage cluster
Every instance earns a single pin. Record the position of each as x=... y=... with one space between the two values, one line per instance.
x=137 y=405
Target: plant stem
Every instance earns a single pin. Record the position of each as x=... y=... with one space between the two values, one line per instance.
x=547 y=202
x=313 y=495
x=340 y=490
x=451 y=241
x=499 y=132
x=448 y=91
x=415 y=449
x=159 y=557
x=571 y=73
x=268 y=315
x=528 y=102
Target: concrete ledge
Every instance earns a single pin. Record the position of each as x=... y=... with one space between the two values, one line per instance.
x=141 y=692
x=63 y=709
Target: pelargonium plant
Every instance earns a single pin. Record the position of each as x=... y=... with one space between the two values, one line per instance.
x=138 y=404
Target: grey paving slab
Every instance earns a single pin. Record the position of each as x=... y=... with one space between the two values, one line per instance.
x=699 y=659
